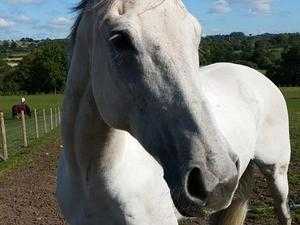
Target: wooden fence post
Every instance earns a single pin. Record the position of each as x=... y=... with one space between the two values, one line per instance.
x=55 y=117
x=24 y=131
x=51 y=119
x=4 y=140
x=36 y=124
x=45 y=121
x=59 y=118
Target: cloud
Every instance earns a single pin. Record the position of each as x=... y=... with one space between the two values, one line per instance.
x=260 y=6
x=4 y=23
x=23 y=19
x=263 y=7
x=24 y=1
x=60 y=23
x=220 y=7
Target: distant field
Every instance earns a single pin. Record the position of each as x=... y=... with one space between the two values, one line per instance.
x=34 y=101
x=292 y=96
x=13 y=126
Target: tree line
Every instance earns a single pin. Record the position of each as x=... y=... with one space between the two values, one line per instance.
x=275 y=55
x=44 y=67
x=42 y=70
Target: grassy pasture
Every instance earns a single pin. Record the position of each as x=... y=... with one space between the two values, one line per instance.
x=34 y=101
x=292 y=95
x=13 y=126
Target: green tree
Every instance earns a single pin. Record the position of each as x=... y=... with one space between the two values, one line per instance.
x=13 y=45
x=44 y=70
x=5 y=83
x=290 y=66
x=261 y=54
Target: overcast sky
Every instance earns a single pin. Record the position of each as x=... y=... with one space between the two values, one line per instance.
x=53 y=18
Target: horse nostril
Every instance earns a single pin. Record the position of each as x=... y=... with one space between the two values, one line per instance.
x=195 y=185
x=237 y=165
x=235 y=160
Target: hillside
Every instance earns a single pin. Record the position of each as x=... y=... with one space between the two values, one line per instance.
x=13 y=52
x=26 y=61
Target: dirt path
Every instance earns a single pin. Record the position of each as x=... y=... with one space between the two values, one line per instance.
x=27 y=193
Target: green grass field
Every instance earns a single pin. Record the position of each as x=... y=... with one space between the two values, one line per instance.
x=34 y=101
x=13 y=126
x=292 y=96
x=39 y=102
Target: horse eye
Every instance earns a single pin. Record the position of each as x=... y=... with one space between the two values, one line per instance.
x=121 y=41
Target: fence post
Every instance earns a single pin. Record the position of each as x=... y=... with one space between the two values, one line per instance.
x=51 y=119
x=55 y=117
x=45 y=121
x=4 y=141
x=36 y=124
x=59 y=119
x=24 y=131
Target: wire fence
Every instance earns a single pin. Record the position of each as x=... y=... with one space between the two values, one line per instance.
x=16 y=134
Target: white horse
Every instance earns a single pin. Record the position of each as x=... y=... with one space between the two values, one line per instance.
x=135 y=87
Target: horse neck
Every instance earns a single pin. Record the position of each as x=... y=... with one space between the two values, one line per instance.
x=91 y=146
x=87 y=138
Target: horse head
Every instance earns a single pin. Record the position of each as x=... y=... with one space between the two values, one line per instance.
x=144 y=72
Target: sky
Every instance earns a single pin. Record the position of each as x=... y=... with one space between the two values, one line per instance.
x=41 y=19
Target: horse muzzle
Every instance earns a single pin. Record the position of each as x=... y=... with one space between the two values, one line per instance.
x=203 y=190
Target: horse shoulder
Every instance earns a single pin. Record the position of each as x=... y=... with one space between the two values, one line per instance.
x=272 y=144
x=243 y=88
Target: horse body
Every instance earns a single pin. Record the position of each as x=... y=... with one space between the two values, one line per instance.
x=146 y=199
x=135 y=89
x=247 y=107
x=17 y=110
x=251 y=113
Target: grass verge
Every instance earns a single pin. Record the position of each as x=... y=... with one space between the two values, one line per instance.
x=26 y=155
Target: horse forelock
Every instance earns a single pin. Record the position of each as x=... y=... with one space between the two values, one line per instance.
x=88 y=5
x=82 y=7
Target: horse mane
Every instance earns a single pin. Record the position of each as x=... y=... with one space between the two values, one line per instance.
x=82 y=7
x=88 y=5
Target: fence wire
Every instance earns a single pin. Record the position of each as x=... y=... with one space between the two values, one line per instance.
x=14 y=130
x=15 y=141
